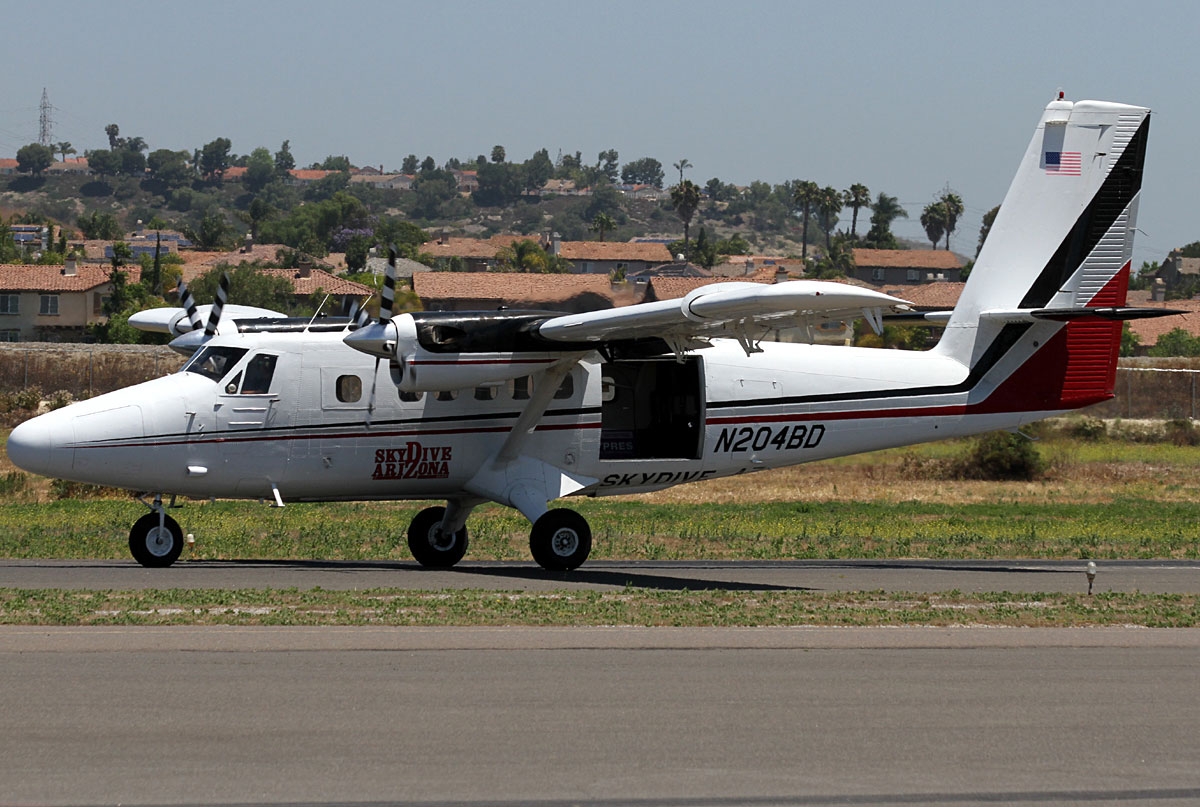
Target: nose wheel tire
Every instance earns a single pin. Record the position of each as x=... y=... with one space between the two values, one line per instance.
x=560 y=540
x=154 y=544
x=429 y=545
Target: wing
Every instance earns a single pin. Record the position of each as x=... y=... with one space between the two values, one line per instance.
x=174 y=321
x=727 y=308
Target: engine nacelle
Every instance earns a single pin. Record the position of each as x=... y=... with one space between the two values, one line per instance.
x=436 y=351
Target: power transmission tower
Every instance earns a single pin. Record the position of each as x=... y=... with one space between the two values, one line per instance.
x=44 y=136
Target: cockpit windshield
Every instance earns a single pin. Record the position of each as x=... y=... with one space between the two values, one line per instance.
x=214 y=361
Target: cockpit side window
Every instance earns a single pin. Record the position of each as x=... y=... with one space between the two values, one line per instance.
x=259 y=372
x=214 y=361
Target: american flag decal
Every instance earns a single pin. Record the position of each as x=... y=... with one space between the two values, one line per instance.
x=1063 y=163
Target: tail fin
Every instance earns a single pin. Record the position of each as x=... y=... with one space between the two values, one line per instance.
x=1059 y=249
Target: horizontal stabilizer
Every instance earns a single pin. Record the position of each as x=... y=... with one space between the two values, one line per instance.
x=174 y=321
x=1110 y=314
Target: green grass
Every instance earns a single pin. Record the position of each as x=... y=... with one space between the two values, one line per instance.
x=629 y=530
x=573 y=608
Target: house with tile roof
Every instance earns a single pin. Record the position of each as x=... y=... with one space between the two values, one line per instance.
x=488 y=291
x=586 y=257
x=54 y=303
x=906 y=266
x=8 y=166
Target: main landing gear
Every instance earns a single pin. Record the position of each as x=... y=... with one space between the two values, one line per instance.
x=560 y=540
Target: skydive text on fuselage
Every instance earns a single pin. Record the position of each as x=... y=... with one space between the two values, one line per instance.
x=735 y=439
x=412 y=461
x=661 y=478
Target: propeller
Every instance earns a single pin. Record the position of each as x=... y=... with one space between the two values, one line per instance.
x=379 y=338
x=188 y=302
x=214 y=314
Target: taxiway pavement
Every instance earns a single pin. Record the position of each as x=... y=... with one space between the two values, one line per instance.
x=599 y=717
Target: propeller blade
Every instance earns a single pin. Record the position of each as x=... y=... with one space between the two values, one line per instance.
x=388 y=296
x=188 y=303
x=214 y=316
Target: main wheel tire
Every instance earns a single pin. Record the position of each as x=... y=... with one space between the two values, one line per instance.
x=154 y=545
x=429 y=545
x=560 y=540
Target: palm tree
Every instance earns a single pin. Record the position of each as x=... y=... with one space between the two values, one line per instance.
x=679 y=166
x=64 y=148
x=855 y=197
x=805 y=195
x=829 y=207
x=602 y=223
x=933 y=219
x=685 y=198
x=885 y=210
x=952 y=204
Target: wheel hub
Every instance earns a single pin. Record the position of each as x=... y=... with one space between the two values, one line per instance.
x=565 y=542
x=159 y=541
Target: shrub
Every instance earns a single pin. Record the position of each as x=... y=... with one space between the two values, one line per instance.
x=1002 y=456
x=28 y=399
x=1088 y=428
x=13 y=482
x=1181 y=432
x=60 y=398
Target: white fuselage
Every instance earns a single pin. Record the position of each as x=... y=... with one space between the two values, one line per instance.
x=331 y=424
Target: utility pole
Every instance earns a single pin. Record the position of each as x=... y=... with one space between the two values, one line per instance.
x=44 y=136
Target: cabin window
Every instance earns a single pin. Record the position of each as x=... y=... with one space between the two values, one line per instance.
x=520 y=388
x=447 y=395
x=259 y=373
x=10 y=304
x=49 y=307
x=487 y=393
x=411 y=397
x=566 y=389
x=348 y=389
x=214 y=362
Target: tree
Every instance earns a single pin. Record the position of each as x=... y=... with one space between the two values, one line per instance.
x=602 y=223
x=115 y=141
x=933 y=219
x=214 y=158
x=498 y=154
x=284 y=161
x=952 y=204
x=64 y=148
x=856 y=197
x=133 y=163
x=99 y=226
x=260 y=169
x=34 y=158
x=885 y=210
x=538 y=170
x=646 y=171
x=409 y=166
x=679 y=166
x=685 y=198
x=248 y=285
x=499 y=184
x=428 y=165
x=214 y=230
x=333 y=163
x=525 y=255
x=829 y=207
x=608 y=164
x=989 y=218
x=170 y=167
x=805 y=195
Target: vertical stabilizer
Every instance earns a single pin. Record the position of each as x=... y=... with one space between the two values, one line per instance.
x=1063 y=239
x=1063 y=235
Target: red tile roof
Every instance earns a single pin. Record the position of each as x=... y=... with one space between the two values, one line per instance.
x=907 y=258
x=52 y=278
x=614 y=251
x=492 y=289
x=472 y=248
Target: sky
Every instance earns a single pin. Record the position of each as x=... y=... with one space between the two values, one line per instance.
x=908 y=97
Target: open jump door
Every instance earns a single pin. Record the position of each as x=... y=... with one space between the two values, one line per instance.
x=652 y=409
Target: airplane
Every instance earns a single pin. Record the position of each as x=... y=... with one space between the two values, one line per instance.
x=525 y=407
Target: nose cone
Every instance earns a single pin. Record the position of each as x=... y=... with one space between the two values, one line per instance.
x=377 y=339
x=37 y=446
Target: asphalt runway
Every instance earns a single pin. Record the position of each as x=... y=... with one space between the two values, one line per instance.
x=1153 y=576
x=599 y=717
